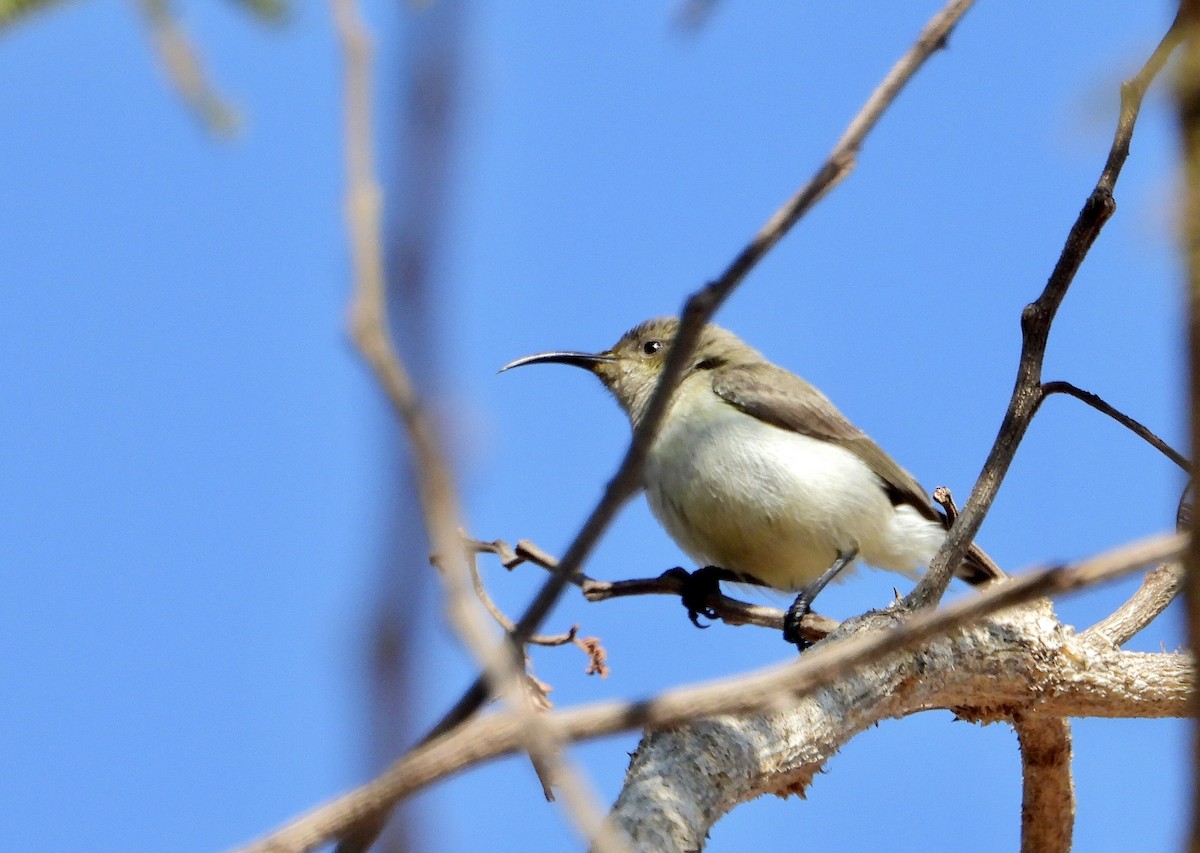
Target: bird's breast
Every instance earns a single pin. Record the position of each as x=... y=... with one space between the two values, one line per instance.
x=756 y=499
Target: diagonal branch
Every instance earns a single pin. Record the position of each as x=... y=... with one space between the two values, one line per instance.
x=1036 y=319
x=184 y=69
x=1159 y=588
x=697 y=310
x=439 y=503
x=1136 y=427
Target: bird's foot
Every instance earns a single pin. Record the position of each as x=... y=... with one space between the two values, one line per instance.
x=800 y=608
x=698 y=586
x=803 y=603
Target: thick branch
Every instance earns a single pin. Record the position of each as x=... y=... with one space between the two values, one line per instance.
x=682 y=780
x=1047 y=791
x=1094 y=681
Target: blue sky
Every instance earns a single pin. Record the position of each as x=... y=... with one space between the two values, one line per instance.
x=195 y=464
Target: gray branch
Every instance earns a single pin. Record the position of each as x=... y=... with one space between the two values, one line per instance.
x=1021 y=663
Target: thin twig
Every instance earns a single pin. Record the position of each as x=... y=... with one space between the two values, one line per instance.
x=1137 y=428
x=183 y=67
x=482 y=594
x=697 y=311
x=813 y=626
x=1047 y=791
x=1036 y=320
x=501 y=617
x=943 y=498
x=498 y=734
x=509 y=558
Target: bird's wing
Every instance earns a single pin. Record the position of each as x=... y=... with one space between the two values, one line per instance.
x=783 y=399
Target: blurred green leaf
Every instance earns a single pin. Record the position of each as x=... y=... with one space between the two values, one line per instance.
x=13 y=10
x=274 y=11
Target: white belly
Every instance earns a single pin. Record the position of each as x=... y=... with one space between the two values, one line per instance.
x=778 y=506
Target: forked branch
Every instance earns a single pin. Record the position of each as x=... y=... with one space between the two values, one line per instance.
x=1075 y=678
x=1036 y=320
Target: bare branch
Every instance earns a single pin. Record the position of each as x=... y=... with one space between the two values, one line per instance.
x=943 y=498
x=508 y=557
x=1159 y=588
x=697 y=310
x=1048 y=793
x=500 y=617
x=680 y=783
x=813 y=627
x=732 y=611
x=1036 y=320
x=503 y=669
x=482 y=594
x=1137 y=428
x=183 y=68
x=531 y=552
x=1188 y=102
x=1083 y=680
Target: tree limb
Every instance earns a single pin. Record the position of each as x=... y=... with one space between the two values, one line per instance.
x=501 y=663
x=1047 y=791
x=1159 y=588
x=1021 y=661
x=1036 y=320
x=1052 y=673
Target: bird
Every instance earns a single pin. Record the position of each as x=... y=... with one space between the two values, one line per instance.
x=759 y=478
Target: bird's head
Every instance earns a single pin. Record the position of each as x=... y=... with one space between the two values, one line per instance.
x=631 y=367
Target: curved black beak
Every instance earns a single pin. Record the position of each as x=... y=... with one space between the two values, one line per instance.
x=586 y=360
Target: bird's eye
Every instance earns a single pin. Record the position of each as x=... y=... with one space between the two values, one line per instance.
x=651 y=347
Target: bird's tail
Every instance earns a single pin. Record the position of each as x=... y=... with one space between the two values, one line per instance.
x=977 y=567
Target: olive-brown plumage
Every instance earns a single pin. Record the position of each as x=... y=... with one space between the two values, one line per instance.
x=756 y=471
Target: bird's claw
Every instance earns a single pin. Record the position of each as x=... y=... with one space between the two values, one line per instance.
x=697 y=587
